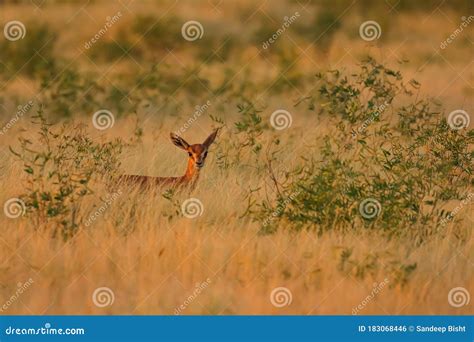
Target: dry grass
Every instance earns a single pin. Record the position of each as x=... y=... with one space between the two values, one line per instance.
x=152 y=257
x=153 y=263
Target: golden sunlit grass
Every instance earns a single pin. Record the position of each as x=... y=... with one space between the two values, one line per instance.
x=139 y=245
x=152 y=257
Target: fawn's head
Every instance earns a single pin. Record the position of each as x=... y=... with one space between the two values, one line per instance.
x=197 y=152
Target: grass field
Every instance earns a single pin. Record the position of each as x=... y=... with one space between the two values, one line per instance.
x=279 y=227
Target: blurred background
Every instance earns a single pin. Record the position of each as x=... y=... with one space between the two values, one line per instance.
x=131 y=56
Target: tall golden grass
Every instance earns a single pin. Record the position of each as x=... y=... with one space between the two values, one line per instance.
x=153 y=262
x=149 y=255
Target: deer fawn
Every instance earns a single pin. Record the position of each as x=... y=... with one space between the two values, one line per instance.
x=197 y=154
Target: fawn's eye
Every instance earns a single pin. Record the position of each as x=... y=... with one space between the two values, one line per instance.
x=205 y=154
x=190 y=154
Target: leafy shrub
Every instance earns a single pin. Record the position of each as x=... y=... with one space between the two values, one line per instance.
x=323 y=27
x=158 y=34
x=391 y=163
x=32 y=55
x=122 y=46
x=69 y=92
x=248 y=131
x=59 y=169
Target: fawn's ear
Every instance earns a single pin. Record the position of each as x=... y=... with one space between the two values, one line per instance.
x=210 y=139
x=178 y=141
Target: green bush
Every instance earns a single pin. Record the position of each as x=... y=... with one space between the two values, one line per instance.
x=374 y=171
x=59 y=169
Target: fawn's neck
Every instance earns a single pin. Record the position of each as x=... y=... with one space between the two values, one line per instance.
x=192 y=172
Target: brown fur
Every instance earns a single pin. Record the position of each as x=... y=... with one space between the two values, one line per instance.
x=197 y=154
